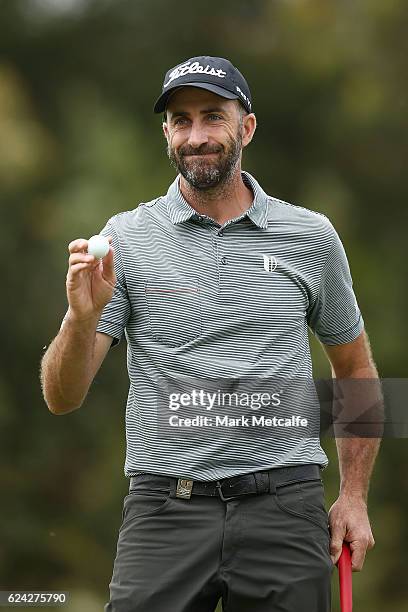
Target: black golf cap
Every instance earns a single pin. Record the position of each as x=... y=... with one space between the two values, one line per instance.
x=215 y=74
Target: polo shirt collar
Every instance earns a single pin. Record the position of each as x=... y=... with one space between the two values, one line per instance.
x=179 y=209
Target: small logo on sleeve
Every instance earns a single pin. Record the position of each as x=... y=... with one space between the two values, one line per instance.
x=270 y=263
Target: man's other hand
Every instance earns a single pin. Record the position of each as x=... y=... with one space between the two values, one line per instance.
x=348 y=520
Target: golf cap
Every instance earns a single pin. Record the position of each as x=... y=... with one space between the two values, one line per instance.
x=215 y=74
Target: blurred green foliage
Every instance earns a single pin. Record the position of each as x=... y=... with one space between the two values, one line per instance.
x=79 y=142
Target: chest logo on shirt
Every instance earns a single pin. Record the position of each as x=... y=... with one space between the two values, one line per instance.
x=270 y=263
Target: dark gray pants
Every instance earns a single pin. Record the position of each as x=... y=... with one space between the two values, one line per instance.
x=259 y=553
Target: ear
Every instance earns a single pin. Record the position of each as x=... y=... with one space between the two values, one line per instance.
x=248 y=128
x=165 y=130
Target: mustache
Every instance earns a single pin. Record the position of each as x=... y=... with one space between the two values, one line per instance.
x=202 y=150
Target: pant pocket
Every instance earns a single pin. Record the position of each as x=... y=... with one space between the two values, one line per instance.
x=304 y=500
x=313 y=501
x=144 y=503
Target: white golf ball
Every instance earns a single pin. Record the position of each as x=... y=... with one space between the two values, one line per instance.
x=98 y=246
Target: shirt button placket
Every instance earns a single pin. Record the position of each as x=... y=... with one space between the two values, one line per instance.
x=219 y=233
x=223 y=259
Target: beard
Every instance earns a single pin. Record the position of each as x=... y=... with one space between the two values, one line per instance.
x=205 y=173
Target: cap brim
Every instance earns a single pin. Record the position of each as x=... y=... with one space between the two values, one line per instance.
x=161 y=102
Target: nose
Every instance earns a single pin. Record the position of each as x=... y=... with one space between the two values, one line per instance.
x=197 y=135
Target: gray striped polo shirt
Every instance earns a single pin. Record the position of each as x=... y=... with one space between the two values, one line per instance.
x=200 y=301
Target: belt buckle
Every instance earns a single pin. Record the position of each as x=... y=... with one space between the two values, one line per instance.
x=184 y=488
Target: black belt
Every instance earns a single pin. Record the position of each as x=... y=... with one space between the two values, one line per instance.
x=255 y=483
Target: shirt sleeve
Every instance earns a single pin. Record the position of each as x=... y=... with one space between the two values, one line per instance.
x=335 y=317
x=116 y=314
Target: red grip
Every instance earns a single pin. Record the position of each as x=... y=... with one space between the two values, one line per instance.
x=345 y=579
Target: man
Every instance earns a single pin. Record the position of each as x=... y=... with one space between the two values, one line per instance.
x=216 y=282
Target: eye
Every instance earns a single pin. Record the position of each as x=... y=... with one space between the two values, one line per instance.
x=180 y=121
x=214 y=116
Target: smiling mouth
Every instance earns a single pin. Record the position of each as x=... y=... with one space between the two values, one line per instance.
x=200 y=154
